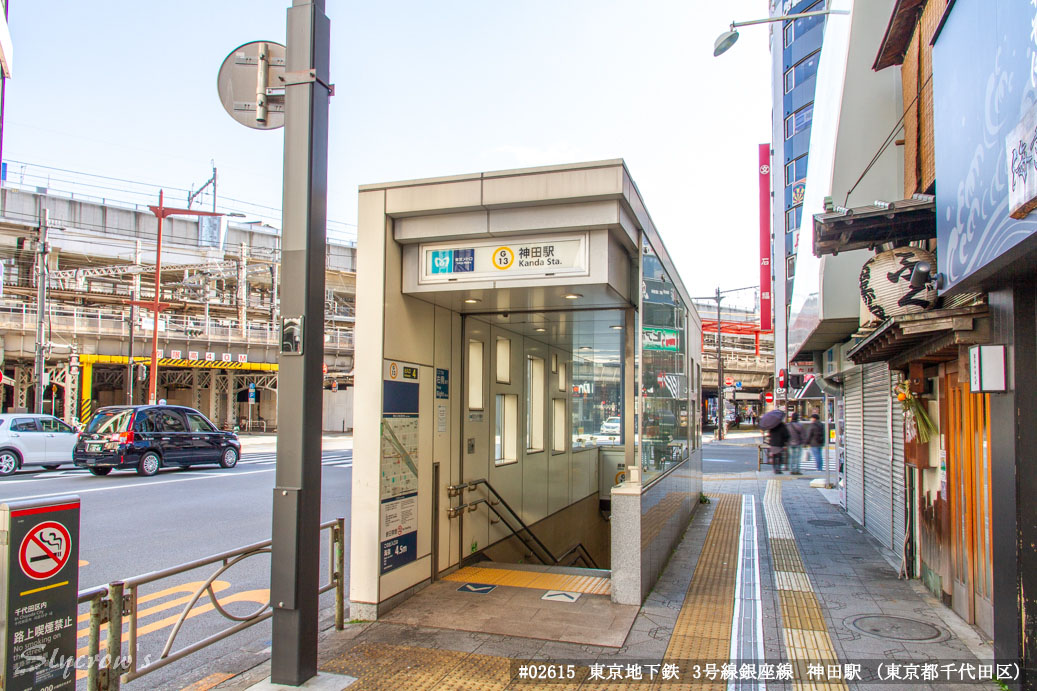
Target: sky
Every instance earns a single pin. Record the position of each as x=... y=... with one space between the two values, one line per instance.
x=127 y=89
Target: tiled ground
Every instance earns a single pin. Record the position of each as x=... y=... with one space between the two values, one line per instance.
x=846 y=573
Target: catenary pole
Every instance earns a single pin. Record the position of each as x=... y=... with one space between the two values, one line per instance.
x=295 y=557
x=41 y=308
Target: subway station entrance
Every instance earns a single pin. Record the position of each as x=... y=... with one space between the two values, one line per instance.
x=527 y=401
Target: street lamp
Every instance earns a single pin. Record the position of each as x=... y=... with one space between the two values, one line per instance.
x=728 y=38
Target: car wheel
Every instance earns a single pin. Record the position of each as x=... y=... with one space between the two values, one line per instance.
x=8 y=462
x=52 y=467
x=229 y=459
x=99 y=471
x=149 y=464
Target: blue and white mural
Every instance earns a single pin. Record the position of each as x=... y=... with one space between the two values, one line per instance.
x=984 y=84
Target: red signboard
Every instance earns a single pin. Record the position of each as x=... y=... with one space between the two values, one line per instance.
x=766 y=318
x=768 y=397
x=781 y=379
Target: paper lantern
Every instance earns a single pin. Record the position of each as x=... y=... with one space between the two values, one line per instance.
x=886 y=283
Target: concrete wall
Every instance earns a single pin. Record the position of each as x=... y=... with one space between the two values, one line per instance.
x=338 y=410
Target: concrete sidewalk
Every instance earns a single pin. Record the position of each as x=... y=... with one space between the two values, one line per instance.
x=769 y=565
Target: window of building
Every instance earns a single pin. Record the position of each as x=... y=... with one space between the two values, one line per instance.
x=505 y=448
x=535 y=404
x=801 y=71
x=790 y=267
x=799 y=27
x=475 y=356
x=793 y=217
x=503 y=360
x=795 y=170
x=799 y=121
x=560 y=427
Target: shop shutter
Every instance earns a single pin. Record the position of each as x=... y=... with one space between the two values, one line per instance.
x=878 y=453
x=899 y=481
x=853 y=469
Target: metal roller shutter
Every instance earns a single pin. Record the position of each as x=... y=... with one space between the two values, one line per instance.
x=853 y=469
x=878 y=453
x=899 y=481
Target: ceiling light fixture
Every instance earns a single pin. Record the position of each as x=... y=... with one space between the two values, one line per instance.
x=540 y=329
x=573 y=296
x=472 y=301
x=617 y=327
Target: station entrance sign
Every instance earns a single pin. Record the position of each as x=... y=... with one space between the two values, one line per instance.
x=496 y=260
x=39 y=586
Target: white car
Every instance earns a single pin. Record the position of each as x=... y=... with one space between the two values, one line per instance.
x=610 y=426
x=27 y=439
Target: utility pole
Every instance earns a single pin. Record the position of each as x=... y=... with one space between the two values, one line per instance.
x=41 y=307
x=721 y=419
x=242 y=292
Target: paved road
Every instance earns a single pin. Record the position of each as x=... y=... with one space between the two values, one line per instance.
x=132 y=525
x=736 y=456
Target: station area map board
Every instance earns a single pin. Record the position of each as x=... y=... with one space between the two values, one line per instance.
x=399 y=465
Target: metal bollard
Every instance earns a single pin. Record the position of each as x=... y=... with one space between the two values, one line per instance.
x=339 y=534
x=98 y=615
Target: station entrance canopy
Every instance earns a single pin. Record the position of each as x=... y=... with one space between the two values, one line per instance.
x=539 y=358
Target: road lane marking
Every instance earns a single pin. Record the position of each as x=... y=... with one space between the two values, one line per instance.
x=137 y=485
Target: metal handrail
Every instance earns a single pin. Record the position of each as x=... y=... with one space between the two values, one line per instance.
x=455 y=490
x=110 y=603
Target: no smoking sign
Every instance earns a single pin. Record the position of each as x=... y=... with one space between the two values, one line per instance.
x=45 y=550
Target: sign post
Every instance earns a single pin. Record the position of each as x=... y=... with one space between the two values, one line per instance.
x=39 y=587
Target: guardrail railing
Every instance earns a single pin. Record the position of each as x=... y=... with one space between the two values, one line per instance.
x=117 y=604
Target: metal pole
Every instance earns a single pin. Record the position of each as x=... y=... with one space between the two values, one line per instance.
x=41 y=309
x=153 y=384
x=828 y=469
x=720 y=375
x=133 y=324
x=295 y=555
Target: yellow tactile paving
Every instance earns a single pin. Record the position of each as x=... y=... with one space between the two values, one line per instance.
x=804 y=631
x=703 y=627
x=785 y=555
x=788 y=580
x=591 y=585
x=800 y=610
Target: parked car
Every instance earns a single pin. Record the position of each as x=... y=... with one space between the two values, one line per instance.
x=610 y=426
x=27 y=439
x=147 y=437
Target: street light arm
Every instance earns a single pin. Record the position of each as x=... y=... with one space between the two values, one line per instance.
x=785 y=17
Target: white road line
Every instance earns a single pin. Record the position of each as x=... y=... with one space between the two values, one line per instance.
x=719 y=460
x=138 y=483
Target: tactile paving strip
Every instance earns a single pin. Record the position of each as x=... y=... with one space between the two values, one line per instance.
x=538 y=580
x=703 y=627
x=804 y=631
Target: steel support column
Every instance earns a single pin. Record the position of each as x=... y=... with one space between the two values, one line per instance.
x=86 y=390
x=232 y=391
x=295 y=558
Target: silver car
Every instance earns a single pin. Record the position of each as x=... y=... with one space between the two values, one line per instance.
x=41 y=440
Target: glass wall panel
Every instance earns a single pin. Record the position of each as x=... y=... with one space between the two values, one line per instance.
x=666 y=424
x=597 y=378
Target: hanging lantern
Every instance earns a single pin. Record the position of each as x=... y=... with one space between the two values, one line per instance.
x=886 y=283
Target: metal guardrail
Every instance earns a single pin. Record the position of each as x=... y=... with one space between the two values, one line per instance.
x=118 y=600
x=91 y=321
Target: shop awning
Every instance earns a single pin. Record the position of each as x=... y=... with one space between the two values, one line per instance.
x=869 y=226
x=932 y=336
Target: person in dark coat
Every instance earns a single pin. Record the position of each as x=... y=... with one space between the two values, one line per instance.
x=815 y=439
x=777 y=439
x=797 y=437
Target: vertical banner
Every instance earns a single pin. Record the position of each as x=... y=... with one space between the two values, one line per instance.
x=766 y=315
x=39 y=587
x=399 y=465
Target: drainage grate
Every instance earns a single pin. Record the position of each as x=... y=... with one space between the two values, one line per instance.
x=825 y=523
x=896 y=628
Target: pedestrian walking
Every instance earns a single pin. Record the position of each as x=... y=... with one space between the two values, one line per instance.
x=816 y=439
x=797 y=438
x=773 y=423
